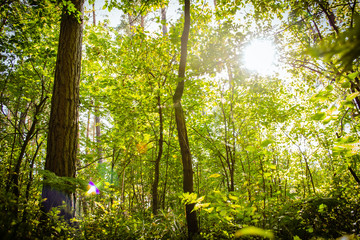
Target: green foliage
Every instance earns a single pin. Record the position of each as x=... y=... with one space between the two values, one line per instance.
x=117 y=224
x=62 y=183
x=320 y=217
x=265 y=149
x=254 y=231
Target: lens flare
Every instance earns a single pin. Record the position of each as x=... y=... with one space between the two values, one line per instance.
x=260 y=56
x=92 y=189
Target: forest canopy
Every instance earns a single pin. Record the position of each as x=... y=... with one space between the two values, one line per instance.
x=191 y=119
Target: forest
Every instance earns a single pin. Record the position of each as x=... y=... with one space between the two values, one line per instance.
x=179 y=119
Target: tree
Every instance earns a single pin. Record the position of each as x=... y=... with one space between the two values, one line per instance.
x=188 y=182
x=62 y=140
x=155 y=194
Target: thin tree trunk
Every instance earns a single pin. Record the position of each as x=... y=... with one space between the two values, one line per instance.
x=232 y=124
x=123 y=188
x=142 y=22
x=97 y=114
x=155 y=194
x=88 y=131
x=167 y=164
x=163 y=19
x=15 y=125
x=131 y=24
x=31 y=178
x=29 y=135
x=229 y=179
x=330 y=15
x=188 y=181
x=98 y=134
x=63 y=124
x=93 y=10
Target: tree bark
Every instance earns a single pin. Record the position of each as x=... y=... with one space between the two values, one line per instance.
x=181 y=127
x=63 y=124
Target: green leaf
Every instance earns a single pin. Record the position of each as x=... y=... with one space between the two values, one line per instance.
x=209 y=210
x=319 y=116
x=329 y=88
x=321 y=96
x=272 y=166
x=327 y=120
x=254 y=231
x=201 y=206
x=266 y=142
x=233 y=197
x=346 y=84
x=250 y=148
x=352 y=96
x=348 y=104
x=215 y=175
x=322 y=208
x=102 y=207
x=352 y=76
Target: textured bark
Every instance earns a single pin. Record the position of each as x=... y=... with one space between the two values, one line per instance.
x=63 y=124
x=188 y=181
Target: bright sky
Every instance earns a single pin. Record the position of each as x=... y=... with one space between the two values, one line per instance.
x=115 y=15
x=259 y=57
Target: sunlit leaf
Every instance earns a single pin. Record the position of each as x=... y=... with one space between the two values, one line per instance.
x=233 y=197
x=319 y=116
x=352 y=96
x=102 y=207
x=266 y=142
x=353 y=75
x=215 y=175
x=346 y=84
x=329 y=88
x=254 y=231
x=250 y=148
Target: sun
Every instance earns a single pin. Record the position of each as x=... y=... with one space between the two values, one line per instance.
x=260 y=56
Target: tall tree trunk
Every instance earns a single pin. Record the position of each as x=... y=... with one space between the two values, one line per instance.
x=188 y=181
x=155 y=193
x=63 y=124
